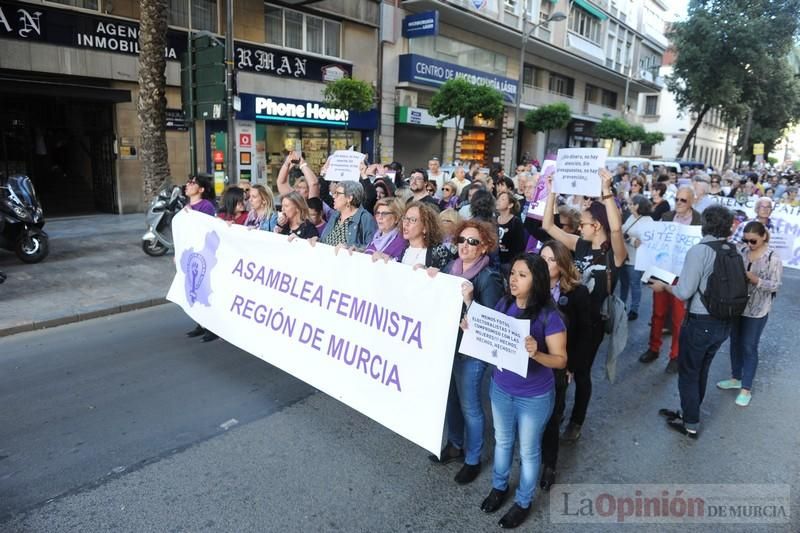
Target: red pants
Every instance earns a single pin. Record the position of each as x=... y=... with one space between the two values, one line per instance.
x=663 y=303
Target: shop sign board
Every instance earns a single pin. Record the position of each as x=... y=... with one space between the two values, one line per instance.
x=428 y=71
x=421 y=24
x=303 y=112
x=75 y=29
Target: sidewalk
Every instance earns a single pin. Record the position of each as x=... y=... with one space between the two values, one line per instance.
x=96 y=267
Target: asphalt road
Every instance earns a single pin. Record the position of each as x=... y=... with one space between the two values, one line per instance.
x=119 y=424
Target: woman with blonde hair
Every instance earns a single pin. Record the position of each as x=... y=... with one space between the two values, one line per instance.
x=294 y=219
x=262 y=213
x=572 y=300
x=388 y=241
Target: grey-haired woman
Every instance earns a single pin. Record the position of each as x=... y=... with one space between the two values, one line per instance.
x=349 y=224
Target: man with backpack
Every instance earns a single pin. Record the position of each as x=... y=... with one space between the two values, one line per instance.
x=714 y=286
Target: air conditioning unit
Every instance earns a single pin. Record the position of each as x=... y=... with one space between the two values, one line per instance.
x=406 y=98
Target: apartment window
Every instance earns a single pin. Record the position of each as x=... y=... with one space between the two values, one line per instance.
x=584 y=24
x=511 y=5
x=646 y=149
x=544 y=11
x=593 y=94
x=85 y=4
x=609 y=99
x=292 y=29
x=651 y=105
x=204 y=14
x=531 y=76
x=361 y=10
x=561 y=85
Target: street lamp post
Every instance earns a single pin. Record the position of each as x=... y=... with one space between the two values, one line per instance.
x=554 y=17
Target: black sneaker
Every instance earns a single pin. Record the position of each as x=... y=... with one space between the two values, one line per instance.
x=209 y=336
x=648 y=357
x=548 y=478
x=196 y=332
x=494 y=501
x=672 y=367
x=669 y=414
x=467 y=474
x=633 y=315
x=514 y=517
x=572 y=432
x=678 y=425
x=449 y=454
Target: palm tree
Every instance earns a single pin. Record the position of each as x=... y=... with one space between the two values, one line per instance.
x=152 y=102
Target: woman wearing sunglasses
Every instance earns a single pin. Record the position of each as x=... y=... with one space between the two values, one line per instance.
x=521 y=406
x=599 y=247
x=465 y=419
x=388 y=241
x=449 y=196
x=764 y=270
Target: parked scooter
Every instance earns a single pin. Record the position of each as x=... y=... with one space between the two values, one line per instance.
x=167 y=202
x=22 y=220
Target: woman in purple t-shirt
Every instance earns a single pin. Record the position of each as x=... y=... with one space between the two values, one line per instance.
x=200 y=192
x=522 y=406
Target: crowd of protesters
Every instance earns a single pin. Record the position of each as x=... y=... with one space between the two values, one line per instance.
x=556 y=270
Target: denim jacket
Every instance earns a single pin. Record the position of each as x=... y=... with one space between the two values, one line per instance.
x=361 y=230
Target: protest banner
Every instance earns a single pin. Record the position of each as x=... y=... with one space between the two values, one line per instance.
x=496 y=338
x=785 y=234
x=664 y=245
x=577 y=171
x=344 y=165
x=539 y=197
x=330 y=320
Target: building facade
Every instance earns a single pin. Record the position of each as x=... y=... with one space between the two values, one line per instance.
x=68 y=89
x=597 y=61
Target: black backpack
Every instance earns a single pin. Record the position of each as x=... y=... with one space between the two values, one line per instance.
x=725 y=296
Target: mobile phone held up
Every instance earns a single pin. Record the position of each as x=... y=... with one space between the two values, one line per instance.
x=298 y=149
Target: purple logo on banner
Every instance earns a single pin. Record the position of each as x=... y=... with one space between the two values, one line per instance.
x=196 y=268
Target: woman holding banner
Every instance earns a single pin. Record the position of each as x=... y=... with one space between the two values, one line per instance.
x=573 y=301
x=423 y=231
x=522 y=406
x=465 y=418
x=599 y=254
x=388 y=240
x=349 y=224
x=262 y=213
x=764 y=270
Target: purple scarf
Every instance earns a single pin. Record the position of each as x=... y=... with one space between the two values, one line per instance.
x=381 y=241
x=458 y=267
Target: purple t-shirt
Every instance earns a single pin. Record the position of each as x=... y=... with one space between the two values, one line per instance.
x=540 y=378
x=204 y=206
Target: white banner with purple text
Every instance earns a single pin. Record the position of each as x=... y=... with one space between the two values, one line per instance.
x=378 y=337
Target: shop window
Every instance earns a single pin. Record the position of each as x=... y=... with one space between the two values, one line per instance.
x=293 y=29
x=561 y=85
x=204 y=14
x=584 y=24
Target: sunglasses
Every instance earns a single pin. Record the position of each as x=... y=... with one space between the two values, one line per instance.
x=472 y=241
x=682 y=200
x=750 y=241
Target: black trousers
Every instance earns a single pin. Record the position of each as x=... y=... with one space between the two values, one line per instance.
x=583 y=378
x=551 y=430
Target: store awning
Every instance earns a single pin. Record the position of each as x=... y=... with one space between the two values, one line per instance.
x=73 y=91
x=589 y=8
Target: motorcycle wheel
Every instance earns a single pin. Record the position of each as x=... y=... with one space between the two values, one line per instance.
x=154 y=248
x=32 y=248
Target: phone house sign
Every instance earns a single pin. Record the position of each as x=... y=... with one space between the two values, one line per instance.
x=309 y=112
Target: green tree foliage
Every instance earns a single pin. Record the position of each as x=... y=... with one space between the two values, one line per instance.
x=725 y=50
x=350 y=94
x=619 y=130
x=458 y=99
x=548 y=117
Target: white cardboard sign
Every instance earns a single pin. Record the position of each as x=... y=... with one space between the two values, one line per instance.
x=344 y=165
x=496 y=338
x=577 y=171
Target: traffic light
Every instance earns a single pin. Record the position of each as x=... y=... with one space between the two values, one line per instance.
x=208 y=96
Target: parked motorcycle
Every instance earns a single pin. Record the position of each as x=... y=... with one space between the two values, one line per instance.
x=22 y=220
x=167 y=202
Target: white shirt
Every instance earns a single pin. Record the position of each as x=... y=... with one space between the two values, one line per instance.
x=414 y=256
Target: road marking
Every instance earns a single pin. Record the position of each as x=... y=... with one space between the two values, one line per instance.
x=229 y=424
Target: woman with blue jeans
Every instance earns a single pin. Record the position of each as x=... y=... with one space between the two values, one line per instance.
x=629 y=277
x=764 y=270
x=521 y=406
x=465 y=419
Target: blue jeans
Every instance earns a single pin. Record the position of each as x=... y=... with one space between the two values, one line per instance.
x=701 y=337
x=527 y=417
x=745 y=336
x=465 y=418
x=631 y=278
